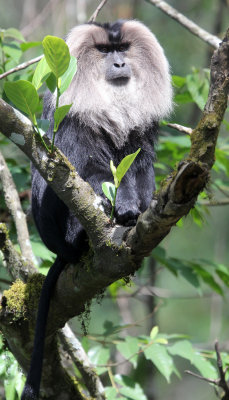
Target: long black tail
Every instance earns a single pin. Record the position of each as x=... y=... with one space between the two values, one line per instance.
x=32 y=385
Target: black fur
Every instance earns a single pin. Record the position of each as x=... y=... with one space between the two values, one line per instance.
x=90 y=154
x=113 y=30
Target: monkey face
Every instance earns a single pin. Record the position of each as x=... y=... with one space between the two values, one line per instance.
x=116 y=69
x=122 y=81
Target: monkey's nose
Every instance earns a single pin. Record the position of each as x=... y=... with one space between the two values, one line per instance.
x=119 y=65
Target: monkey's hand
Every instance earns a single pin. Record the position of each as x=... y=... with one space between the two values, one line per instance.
x=127 y=214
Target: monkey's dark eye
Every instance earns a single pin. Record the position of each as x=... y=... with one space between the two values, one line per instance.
x=102 y=48
x=123 y=47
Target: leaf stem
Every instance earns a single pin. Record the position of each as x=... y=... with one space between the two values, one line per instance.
x=57 y=105
x=39 y=133
x=113 y=205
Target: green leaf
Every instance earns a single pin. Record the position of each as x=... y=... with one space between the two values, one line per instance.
x=111 y=393
x=12 y=50
x=99 y=356
x=223 y=272
x=1 y=342
x=9 y=382
x=222 y=161
x=24 y=95
x=43 y=125
x=181 y=141
x=204 y=366
x=3 y=364
x=207 y=278
x=19 y=382
x=113 y=170
x=154 y=332
x=182 y=348
x=183 y=98
x=198 y=87
x=159 y=356
x=42 y=252
x=109 y=191
x=189 y=275
x=41 y=73
x=125 y=164
x=178 y=81
x=59 y=115
x=129 y=388
x=51 y=82
x=111 y=329
x=161 y=340
x=28 y=45
x=67 y=77
x=14 y=33
x=57 y=54
x=129 y=349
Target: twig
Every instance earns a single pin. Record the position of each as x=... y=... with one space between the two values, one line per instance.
x=214 y=41
x=5 y=281
x=80 y=358
x=14 y=206
x=181 y=128
x=224 y=202
x=202 y=378
x=21 y=66
x=39 y=19
x=221 y=381
x=94 y=15
x=226 y=194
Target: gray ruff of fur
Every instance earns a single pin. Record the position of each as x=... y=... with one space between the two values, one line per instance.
x=98 y=103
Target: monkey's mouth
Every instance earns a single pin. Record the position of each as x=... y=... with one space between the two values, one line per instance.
x=121 y=81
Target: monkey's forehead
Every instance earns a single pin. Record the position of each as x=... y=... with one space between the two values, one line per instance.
x=120 y=31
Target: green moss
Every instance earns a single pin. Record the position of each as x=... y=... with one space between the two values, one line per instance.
x=33 y=291
x=87 y=258
x=21 y=299
x=15 y=299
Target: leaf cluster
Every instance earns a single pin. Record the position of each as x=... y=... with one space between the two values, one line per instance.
x=57 y=68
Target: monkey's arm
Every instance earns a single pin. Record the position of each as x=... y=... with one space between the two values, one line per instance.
x=134 y=194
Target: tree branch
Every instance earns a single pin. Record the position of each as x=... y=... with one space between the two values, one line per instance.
x=14 y=206
x=98 y=9
x=21 y=66
x=81 y=360
x=214 y=203
x=40 y=18
x=180 y=128
x=16 y=265
x=214 y=41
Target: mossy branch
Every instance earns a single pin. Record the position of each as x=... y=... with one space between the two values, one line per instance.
x=17 y=266
x=180 y=190
x=14 y=206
